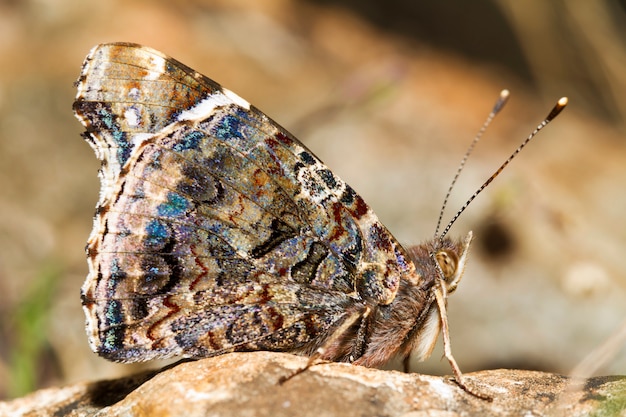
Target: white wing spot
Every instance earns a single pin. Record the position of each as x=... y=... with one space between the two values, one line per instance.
x=132 y=116
x=134 y=93
x=206 y=107
x=236 y=99
x=157 y=68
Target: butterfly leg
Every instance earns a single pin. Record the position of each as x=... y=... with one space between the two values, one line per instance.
x=406 y=363
x=458 y=375
x=331 y=341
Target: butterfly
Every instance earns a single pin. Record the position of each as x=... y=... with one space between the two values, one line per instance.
x=218 y=231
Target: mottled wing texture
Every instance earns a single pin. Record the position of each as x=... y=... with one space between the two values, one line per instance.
x=216 y=229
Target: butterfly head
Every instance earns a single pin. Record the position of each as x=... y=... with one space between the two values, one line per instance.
x=450 y=261
x=440 y=265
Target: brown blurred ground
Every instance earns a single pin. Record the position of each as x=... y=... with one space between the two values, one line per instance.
x=391 y=113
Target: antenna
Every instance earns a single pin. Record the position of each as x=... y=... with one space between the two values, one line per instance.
x=504 y=96
x=560 y=105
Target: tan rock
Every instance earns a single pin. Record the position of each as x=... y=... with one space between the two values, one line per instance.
x=247 y=384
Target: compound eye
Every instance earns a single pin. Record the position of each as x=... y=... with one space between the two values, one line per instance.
x=448 y=261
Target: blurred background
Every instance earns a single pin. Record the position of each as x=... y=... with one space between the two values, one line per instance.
x=389 y=94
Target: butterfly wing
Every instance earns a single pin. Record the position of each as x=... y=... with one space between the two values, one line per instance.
x=216 y=230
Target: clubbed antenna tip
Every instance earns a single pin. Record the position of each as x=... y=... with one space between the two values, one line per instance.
x=558 y=107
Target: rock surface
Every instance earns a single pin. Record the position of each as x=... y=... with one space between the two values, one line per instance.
x=247 y=384
x=391 y=116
